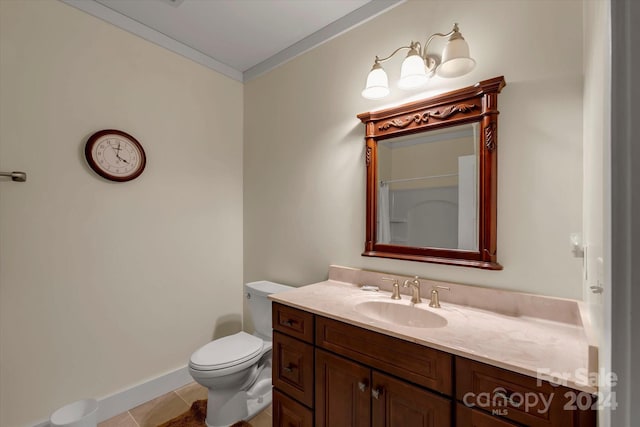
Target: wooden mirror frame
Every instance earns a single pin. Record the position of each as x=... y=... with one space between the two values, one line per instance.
x=478 y=103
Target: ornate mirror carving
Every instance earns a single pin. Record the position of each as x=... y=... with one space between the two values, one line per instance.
x=432 y=178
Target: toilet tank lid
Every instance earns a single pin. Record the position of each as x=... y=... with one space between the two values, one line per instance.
x=264 y=288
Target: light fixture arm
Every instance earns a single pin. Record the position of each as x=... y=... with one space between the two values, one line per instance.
x=429 y=60
x=455 y=30
x=378 y=60
x=432 y=62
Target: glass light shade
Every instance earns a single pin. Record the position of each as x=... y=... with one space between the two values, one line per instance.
x=413 y=73
x=377 y=84
x=456 y=61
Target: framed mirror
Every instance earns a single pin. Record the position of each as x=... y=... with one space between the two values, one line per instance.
x=432 y=178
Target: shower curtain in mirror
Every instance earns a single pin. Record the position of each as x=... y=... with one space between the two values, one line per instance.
x=384 y=225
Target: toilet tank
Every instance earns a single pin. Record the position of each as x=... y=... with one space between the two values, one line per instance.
x=259 y=304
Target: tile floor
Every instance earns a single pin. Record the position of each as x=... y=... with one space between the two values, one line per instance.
x=170 y=405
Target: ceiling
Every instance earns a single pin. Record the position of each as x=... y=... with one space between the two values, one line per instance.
x=240 y=38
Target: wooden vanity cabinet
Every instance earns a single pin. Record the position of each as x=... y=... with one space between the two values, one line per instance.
x=327 y=373
x=356 y=376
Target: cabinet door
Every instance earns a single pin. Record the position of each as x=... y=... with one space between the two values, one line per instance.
x=343 y=392
x=396 y=403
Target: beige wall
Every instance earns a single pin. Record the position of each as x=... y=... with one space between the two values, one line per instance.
x=304 y=166
x=103 y=285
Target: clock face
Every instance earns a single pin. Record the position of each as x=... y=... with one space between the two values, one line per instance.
x=115 y=155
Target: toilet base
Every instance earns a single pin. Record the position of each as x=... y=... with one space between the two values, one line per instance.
x=243 y=405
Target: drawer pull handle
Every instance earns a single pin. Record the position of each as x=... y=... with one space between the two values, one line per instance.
x=507 y=396
x=376 y=392
x=289 y=368
x=362 y=385
x=288 y=322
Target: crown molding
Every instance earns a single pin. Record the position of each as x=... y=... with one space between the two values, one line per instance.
x=323 y=35
x=119 y=20
x=342 y=25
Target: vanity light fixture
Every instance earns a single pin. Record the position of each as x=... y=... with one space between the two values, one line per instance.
x=419 y=66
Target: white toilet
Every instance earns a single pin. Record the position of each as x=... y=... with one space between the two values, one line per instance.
x=237 y=369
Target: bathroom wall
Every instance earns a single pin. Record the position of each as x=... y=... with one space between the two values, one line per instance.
x=103 y=285
x=304 y=168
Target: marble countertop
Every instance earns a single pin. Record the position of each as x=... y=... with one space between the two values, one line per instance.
x=533 y=346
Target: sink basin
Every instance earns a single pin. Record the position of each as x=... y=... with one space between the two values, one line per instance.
x=400 y=314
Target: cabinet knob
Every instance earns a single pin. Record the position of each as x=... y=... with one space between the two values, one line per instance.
x=362 y=385
x=507 y=396
x=287 y=322
x=376 y=392
x=289 y=368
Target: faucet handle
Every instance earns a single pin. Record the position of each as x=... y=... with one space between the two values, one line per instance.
x=435 y=298
x=396 y=288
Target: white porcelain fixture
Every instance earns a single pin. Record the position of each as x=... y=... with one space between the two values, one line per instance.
x=77 y=414
x=237 y=368
x=401 y=313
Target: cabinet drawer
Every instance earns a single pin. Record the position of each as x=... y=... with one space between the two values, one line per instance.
x=413 y=362
x=293 y=368
x=468 y=417
x=518 y=397
x=289 y=413
x=294 y=322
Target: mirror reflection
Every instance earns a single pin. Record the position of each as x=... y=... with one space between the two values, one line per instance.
x=428 y=189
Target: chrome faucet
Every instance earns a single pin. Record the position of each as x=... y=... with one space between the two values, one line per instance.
x=415 y=288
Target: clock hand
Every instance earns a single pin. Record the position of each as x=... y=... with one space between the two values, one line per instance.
x=117 y=151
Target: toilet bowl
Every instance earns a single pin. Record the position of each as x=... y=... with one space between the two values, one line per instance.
x=236 y=369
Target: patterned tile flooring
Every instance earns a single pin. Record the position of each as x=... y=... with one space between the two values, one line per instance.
x=170 y=405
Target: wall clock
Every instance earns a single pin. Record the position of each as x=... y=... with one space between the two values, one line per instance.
x=115 y=155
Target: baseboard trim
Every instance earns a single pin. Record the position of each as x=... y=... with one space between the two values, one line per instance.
x=122 y=401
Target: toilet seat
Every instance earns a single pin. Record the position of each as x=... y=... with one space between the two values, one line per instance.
x=227 y=352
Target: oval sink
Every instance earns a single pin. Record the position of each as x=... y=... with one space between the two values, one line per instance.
x=400 y=314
